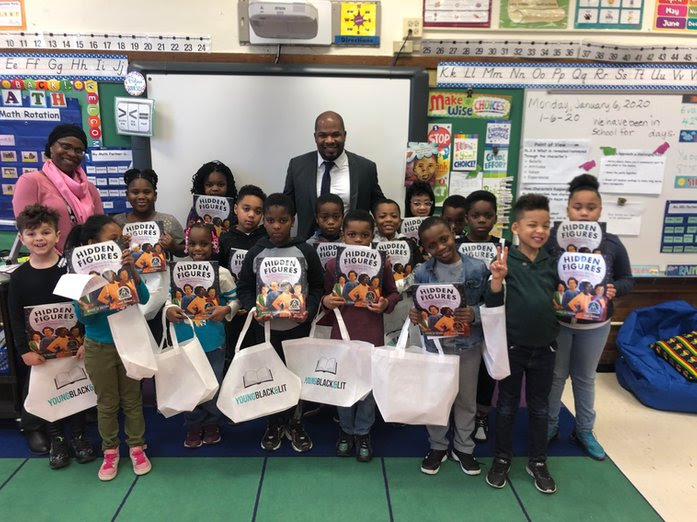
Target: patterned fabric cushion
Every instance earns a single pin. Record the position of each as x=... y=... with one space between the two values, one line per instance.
x=681 y=353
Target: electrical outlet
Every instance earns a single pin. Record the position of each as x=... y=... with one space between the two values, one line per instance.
x=416 y=26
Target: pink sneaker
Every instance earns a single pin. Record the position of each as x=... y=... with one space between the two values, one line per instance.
x=141 y=464
x=110 y=466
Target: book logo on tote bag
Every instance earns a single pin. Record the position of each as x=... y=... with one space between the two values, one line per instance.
x=257 y=377
x=326 y=365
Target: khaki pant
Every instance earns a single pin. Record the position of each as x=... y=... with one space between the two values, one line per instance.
x=114 y=389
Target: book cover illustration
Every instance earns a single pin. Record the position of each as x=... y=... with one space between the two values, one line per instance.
x=580 y=292
x=281 y=286
x=327 y=251
x=422 y=162
x=358 y=275
x=580 y=236
x=410 y=227
x=214 y=210
x=399 y=253
x=485 y=252
x=441 y=135
x=436 y=304
x=195 y=288
x=237 y=256
x=104 y=260
x=146 y=251
x=53 y=330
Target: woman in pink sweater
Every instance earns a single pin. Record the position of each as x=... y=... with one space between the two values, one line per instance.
x=61 y=184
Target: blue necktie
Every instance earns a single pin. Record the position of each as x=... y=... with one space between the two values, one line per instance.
x=326 y=178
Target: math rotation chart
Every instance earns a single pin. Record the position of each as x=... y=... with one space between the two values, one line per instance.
x=679 y=228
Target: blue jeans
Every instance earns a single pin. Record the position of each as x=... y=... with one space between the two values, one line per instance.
x=537 y=364
x=359 y=418
x=208 y=412
x=577 y=356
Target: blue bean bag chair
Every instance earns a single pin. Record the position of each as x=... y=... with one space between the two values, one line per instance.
x=651 y=379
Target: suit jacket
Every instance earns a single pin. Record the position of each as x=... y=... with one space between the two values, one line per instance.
x=301 y=186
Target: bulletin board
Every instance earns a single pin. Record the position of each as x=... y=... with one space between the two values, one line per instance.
x=658 y=127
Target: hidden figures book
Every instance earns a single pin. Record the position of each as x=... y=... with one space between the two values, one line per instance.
x=53 y=330
x=400 y=254
x=436 y=304
x=217 y=211
x=281 y=286
x=146 y=251
x=237 y=256
x=195 y=287
x=103 y=259
x=358 y=275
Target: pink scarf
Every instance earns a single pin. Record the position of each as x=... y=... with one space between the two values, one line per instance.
x=75 y=191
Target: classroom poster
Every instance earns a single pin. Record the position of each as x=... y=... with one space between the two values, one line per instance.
x=498 y=133
x=633 y=172
x=679 y=231
x=609 y=14
x=103 y=259
x=214 y=210
x=460 y=104
x=358 y=24
x=53 y=330
x=675 y=15
x=464 y=183
x=553 y=162
x=534 y=14
x=195 y=287
x=146 y=251
x=422 y=163
x=441 y=135
x=358 y=275
x=436 y=304
x=495 y=160
x=457 y=13
x=281 y=286
x=465 y=151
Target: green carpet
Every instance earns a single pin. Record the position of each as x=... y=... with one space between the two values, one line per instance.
x=313 y=488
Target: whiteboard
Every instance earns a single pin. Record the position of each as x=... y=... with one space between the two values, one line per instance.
x=621 y=121
x=255 y=120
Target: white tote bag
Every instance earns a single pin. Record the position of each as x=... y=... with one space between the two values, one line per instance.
x=59 y=388
x=332 y=371
x=134 y=342
x=495 y=350
x=257 y=383
x=184 y=377
x=414 y=388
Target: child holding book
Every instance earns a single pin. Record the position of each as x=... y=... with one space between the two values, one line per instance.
x=531 y=328
x=114 y=389
x=363 y=324
x=32 y=284
x=279 y=215
x=447 y=265
x=581 y=342
x=329 y=212
x=212 y=179
x=203 y=424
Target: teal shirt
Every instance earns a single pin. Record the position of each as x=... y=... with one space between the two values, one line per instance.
x=97 y=325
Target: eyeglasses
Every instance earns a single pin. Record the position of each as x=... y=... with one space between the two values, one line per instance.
x=422 y=203
x=69 y=148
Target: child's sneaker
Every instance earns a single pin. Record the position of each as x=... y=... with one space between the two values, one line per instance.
x=193 y=437
x=141 y=463
x=364 y=451
x=432 y=461
x=211 y=434
x=273 y=436
x=468 y=464
x=295 y=432
x=543 y=480
x=481 y=428
x=496 y=477
x=344 y=445
x=58 y=454
x=110 y=465
x=589 y=443
x=83 y=448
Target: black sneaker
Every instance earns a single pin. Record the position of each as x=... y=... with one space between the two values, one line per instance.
x=58 y=454
x=481 y=428
x=272 y=436
x=296 y=434
x=468 y=464
x=543 y=480
x=344 y=445
x=496 y=477
x=83 y=448
x=364 y=451
x=432 y=461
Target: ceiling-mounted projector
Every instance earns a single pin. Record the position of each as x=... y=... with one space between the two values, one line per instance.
x=296 y=20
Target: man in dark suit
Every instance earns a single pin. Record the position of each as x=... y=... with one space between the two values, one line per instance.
x=330 y=169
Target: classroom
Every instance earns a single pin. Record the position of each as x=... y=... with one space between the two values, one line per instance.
x=563 y=127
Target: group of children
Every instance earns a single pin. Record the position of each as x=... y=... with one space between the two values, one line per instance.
x=530 y=279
